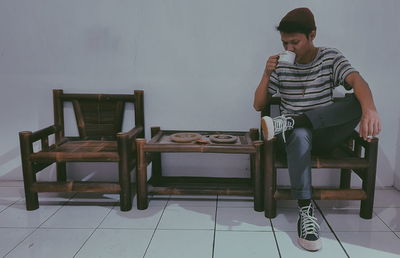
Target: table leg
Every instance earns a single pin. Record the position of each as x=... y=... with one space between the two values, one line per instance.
x=141 y=175
x=269 y=180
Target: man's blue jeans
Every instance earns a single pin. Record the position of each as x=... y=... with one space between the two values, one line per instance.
x=331 y=126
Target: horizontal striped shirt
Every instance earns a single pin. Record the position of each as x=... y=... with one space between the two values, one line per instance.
x=304 y=87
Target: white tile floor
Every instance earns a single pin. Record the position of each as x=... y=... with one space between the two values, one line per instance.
x=91 y=225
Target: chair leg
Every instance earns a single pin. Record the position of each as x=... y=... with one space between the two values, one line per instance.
x=31 y=198
x=61 y=171
x=125 y=195
x=270 y=188
x=367 y=205
x=269 y=181
x=345 y=178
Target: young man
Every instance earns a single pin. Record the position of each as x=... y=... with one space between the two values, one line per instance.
x=311 y=120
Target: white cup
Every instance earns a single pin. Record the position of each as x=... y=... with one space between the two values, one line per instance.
x=287 y=57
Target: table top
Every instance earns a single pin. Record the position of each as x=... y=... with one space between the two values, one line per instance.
x=162 y=142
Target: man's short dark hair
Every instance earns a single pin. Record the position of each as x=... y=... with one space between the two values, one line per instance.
x=299 y=20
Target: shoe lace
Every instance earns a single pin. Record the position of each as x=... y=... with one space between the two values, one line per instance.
x=309 y=225
x=282 y=124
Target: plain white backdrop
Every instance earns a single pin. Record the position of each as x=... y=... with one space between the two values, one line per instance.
x=198 y=61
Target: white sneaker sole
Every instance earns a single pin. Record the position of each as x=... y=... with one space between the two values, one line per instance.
x=312 y=246
x=267 y=125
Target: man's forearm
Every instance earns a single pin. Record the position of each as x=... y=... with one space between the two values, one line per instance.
x=370 y=124
x=261 y=94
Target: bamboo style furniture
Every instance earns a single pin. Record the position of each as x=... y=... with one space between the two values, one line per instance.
x=99 y=119
x=158 y=184
x=356 y=156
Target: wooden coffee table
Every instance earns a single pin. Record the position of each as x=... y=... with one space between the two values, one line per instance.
x=246 y=143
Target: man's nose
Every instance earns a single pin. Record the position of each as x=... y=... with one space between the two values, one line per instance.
x=290 y=48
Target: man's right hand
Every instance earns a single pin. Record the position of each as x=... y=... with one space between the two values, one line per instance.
x=271 y=65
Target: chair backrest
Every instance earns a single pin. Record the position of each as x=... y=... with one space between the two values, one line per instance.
x=274 y=101
x=98 y=116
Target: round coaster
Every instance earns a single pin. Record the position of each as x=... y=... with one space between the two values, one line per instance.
x=185 y=137
x=223 y=138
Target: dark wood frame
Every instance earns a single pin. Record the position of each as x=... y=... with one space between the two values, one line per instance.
x=356 y=155
x=94 y=144
x=158 y=184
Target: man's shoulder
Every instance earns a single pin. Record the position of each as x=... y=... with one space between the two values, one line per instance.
x=329 y=51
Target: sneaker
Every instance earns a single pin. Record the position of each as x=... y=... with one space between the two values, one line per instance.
x=308 y=228
x=274 y=126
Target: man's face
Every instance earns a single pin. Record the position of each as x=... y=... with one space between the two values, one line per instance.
x=298 y=43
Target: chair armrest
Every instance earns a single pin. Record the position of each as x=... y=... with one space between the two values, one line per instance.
x=126 y=146
x=42 y=133
x=361 y=148
x=131 y=134
x=27 y=138
x=127 y=140
x=359 y=140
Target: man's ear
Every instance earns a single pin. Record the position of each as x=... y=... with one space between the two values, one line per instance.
x=313 y=33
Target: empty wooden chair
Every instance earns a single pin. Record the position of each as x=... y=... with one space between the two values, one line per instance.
x=99 y=119
x=356 y=156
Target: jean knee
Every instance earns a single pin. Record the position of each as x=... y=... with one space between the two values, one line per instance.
x=299 y=142
x=301 y=135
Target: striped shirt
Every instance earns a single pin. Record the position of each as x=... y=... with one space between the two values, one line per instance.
x=304 y=87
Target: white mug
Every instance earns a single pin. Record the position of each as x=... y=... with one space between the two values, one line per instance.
x=287 y=57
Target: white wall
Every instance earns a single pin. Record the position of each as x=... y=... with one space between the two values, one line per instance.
x=198 y=62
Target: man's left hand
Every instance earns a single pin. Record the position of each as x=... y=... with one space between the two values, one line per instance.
x=370 y=124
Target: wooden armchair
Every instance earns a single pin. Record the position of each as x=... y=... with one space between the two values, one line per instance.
x=99 y=118
x=356 y=156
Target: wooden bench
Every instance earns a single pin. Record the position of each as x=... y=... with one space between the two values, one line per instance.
x=99 y=120
x=356 y=155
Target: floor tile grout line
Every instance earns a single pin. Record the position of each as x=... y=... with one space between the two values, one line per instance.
x=36 y=228
x=276 y=239
x=158 y=223
x=215 y=226
x=197 y=229
x=84 y=242
x=62 y=205
x=376 y=214
x=243 y=230
x=330 y=227
x=11 y=204
x=94 y=230
x=365 y=231
x=174 y=229
x=33 y=231
x=17 y=227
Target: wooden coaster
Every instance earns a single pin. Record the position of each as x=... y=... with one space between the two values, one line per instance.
x=185 y=137
x=223 y=138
